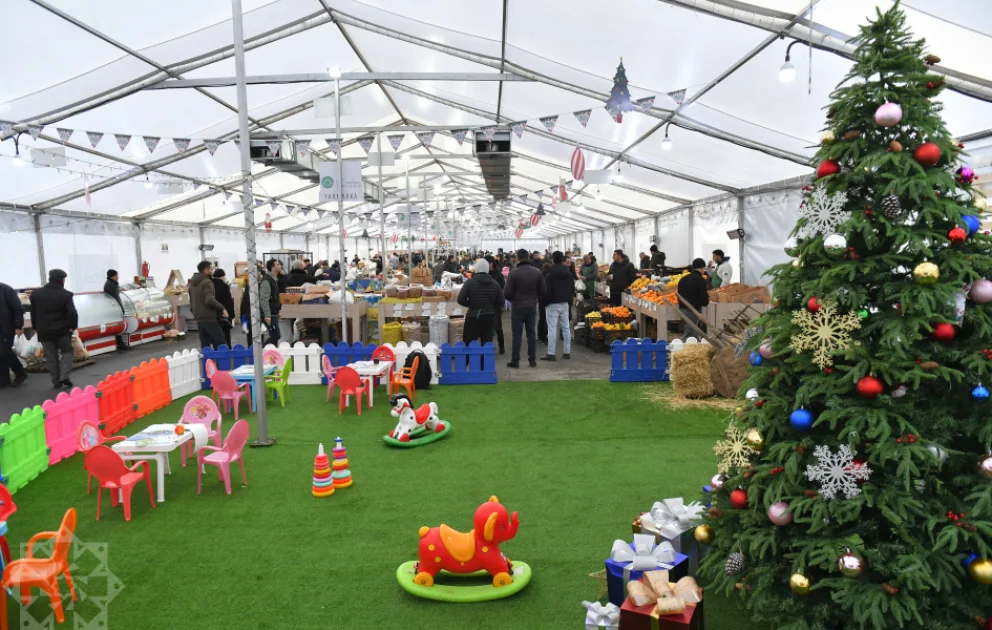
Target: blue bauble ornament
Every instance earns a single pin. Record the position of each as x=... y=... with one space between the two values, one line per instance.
x=801 y=420
x=756 y=359
x=972 y=223
x=980 y=393
x=968 y=559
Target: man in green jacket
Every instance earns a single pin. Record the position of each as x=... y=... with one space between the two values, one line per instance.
x=589 y=273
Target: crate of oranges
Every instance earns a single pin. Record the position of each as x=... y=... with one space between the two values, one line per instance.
x=617 y=314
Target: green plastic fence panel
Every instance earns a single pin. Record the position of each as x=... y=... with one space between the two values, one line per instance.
x=23 y=452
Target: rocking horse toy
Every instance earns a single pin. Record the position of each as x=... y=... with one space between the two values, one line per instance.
x=416 y=427
x=445 y=552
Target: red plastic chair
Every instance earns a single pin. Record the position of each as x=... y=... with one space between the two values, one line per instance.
x=228 y=391
x=7 y=508
x=113 y=474
x=385 y=353
x=42 y=573
x=329 y=372
x=224 y=456
x=350 y=383
x=201 y=410
x=89 y=436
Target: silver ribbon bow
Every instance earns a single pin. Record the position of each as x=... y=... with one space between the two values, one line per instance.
x=645 y=556
x=602 y=616
x=671 y=517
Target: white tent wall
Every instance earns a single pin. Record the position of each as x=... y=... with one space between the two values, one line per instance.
x=768 y=221
x=643 y=231
x=20 y=247
x=710 y=223
x=165 y=248
x=87 y=249
x=673 y=238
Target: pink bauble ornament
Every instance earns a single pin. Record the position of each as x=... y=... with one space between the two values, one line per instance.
x=888 y=115
x=717 y=481
x=981 y=291
x=779 y=513
x=765 y=350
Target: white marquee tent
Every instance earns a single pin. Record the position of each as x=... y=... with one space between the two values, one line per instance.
x=741 y=140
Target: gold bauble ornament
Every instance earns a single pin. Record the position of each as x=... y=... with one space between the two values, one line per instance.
x=980 y=203
x=828 y=137
x=754 y=439
x=981 y=571
x=704 y=534
x=926 y=273
x=800 y=584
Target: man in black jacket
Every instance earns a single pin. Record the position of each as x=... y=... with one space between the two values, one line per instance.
x=621 y=275
x=496 y=272
x=206 y=308
x=11 y=325
x=525 y=286
x=54 y=318
x=692 y=289
x=483 y=298
x=298 y=275
x=112 y=288
x=657 y=259
x=222 y=290
x=561 y=292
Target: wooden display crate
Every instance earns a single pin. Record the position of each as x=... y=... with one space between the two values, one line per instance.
x=329 y=313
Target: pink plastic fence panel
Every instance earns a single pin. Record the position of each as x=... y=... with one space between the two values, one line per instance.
x=63 y=417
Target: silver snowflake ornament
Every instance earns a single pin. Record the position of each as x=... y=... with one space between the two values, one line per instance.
x=837 y=472
x=823 y=213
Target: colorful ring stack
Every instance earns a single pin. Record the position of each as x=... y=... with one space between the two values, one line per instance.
x=341 y=474
x=323 y=484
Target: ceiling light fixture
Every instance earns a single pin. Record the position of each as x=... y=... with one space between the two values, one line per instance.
x=618 y=178
x=334 y=73
x=666 y=144
x=148 y=184
x=787 y=73
x=599 y=195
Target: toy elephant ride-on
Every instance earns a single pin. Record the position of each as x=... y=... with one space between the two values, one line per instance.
x=416 y=427
x=447 y=555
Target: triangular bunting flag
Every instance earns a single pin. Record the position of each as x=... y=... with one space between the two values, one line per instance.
x=259 y=203
x=644 y=104
x=6 y=126
x=489 y=132
x=151 y=142
x=274 y=206
x=291 y=211
x=518 y=128
x=583 y=116
x=334 y=145
x=678 y=96
x=395 y=141
x=122 y=140
x=613 y=112
x=426 y=137
x=459 y=135
x=35 y=130
x=365 y=143
x=302 y=147
x=64 y=134
x=274 y=146
x=549 y=123
x=227 y=195
x=211 y=145
x=181 y=144
x=95 y=137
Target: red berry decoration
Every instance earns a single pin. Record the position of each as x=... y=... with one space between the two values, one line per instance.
x=813 y=305
x=957 y=235
x=827 y=167
x=738 y=499
x=870 y=387
x=927 y=154
x=944 y=333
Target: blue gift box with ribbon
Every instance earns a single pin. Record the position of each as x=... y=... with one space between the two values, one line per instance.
x=628 y=561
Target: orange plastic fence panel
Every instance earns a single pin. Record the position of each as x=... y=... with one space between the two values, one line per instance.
x=151 y=387
x=116 y=394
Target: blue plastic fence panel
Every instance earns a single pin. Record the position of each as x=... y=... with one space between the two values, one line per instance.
x=473 y=364
x=638 y=360
x=227 y=359
x=343 y=354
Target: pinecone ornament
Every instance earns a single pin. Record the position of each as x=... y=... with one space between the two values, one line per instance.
x=736 y=564
x=891 y=208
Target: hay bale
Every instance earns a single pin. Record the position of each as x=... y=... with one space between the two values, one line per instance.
x=728 y=372
x=691 y=371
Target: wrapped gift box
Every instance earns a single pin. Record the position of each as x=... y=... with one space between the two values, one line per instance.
x=644 y=618
x=674 y=522
x=616 y=580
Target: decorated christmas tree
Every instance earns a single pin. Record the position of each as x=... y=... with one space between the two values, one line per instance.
x=856 y=475
x=619 y=101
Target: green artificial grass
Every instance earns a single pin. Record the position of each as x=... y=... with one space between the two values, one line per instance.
x=577 y=460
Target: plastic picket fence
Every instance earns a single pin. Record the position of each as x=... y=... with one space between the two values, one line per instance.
x=116 y=400
x=306 y=362
x=431 y=351
x=151 y=386
x=23 y=452
x=226 y=359
x=473 y=364
x=63 y=417
x=343 y=354
x=184 y=373
x=638 y=360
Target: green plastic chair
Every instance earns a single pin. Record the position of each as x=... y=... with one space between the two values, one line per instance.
x=280 y=383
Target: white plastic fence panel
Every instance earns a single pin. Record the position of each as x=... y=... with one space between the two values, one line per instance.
x=306 y=362
x=402 y=351
x=184 y=372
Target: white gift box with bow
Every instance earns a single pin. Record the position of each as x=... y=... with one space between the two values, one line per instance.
x=602 y=616
x=672 y=517
x=645 y=556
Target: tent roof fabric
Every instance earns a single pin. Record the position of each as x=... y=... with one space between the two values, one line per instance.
x=737 y=129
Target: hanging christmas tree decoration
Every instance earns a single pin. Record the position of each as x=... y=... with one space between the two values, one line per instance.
x=734 y=452
x=791 y=247
x=835 y=244
x=828 y=137
x=823 y=331
x=752 y=394
x=891 y=207
x=863 y=314
x=981 y=571
x=813 y=305
x=799 y=584
x=717 y=481
x=981 y=291
x=980 y=393
x=926 y=273
x=899 y=392
x=822 y=213
x=895 y=146
x=869 y=387
x=756 y=359
x=957 y=235
x=985 y=466
x=850 y=564
x=801 y=420
x=943 y=332
x=619 y=101
x=736 y=564
x=965 y=175
x=938 y=452
x=980 y=203
x=704 y=534
x=888 y=115
x=766 y=350
x=754 y=439
x=927 y=154
x=972 y=223
x=837 y=472
x=738 y=499
x=780 y=513
x=853 y=134
x=826 y=168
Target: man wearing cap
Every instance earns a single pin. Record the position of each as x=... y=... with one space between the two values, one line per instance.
x=11 y=325
x=112 y=288
x=54 y=318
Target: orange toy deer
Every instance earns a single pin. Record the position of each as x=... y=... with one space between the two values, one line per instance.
x=443 y=548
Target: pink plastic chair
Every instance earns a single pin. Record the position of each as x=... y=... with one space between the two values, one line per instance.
x=7 y=509
x=329 y=371
x=89 y=436
x=351 y=384
x=385 y=353
x=228 y=391
x=222 y=457
x=201 y=410
x=273 y=357
x=113 y=474
x=211 y=368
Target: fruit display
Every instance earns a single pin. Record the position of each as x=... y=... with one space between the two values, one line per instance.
x=617 y=327
x=594 y=315
x=668 y=296
x=599 y=325
x=640 y=284
x=604 y=270
x=617 y=311
x=673 y=281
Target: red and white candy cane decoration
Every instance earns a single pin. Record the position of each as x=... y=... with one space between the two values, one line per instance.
x=395 y=238
x=534 y=220
x=578 y=164
x=519 y=232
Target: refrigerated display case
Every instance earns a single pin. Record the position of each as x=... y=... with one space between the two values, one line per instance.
x=146 y=312
x=100 y=321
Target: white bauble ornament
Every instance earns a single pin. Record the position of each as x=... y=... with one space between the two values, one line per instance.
x=792 y=246
x=835 y=244
x=752 y=394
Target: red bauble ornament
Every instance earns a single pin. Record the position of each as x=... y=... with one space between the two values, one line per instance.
x=856 y=464
x=870 y=387
x=738 y=499
x=813 y=305
x=944 y=333
x=957 y=235
x=927 y=154
x=827 y=167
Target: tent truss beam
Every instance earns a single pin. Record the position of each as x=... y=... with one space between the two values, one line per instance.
x=319 y=77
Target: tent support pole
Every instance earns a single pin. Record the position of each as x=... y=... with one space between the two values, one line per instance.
x=740 y=241
x=382 y=215
x=340 y=187
x=263 y=438
x=137 y=248
x=203 y=241
x=40 y=241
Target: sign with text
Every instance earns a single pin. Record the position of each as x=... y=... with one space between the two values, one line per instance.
x=408 y=217
x=330 y=187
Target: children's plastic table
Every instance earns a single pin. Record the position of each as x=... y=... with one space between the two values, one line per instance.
x=154 y=443
x=369 y=371
x=246 y=374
